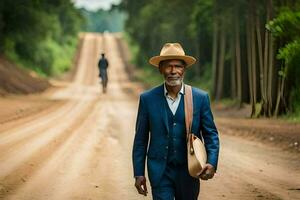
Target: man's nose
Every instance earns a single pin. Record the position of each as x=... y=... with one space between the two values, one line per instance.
x=173 y=70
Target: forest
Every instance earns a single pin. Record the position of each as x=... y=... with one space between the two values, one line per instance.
x=247 y=50
x=111 y=20
x=43 y=34
x=40 y=34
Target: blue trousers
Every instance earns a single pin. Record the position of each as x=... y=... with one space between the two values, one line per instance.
x=176 y=183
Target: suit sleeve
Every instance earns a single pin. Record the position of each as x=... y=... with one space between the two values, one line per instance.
x=140 y=140
x=209 y=133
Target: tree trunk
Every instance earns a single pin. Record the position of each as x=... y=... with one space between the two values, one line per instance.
x=270 y=78
x=249 y=62
x=270 y=65
x=221 y=64
x=253 y=57
x=280 y=92
x=261 y=65
x=265 y=106
x=232 y=70
x=214 y=57
x=238 y=61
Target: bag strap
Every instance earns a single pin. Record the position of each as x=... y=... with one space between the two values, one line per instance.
x=188 y=108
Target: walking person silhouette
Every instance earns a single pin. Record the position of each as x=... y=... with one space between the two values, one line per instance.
x=103 y=65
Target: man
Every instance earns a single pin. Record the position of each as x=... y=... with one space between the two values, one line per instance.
x=103 y=65
x=161 y=113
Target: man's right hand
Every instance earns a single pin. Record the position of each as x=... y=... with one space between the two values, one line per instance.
x=140 y=184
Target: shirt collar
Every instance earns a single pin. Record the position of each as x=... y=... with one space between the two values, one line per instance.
x=180 y=92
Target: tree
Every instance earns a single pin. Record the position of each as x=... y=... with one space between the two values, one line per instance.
x=239 y=63
x=35 y=33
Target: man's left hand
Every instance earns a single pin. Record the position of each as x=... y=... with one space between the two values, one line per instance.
x=208 y=172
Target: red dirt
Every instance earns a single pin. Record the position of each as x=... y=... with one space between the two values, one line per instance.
x=19 y=81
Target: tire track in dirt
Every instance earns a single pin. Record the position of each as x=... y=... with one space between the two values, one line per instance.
x=13 y=122
x=50 y=120
x=43 y=135
x=247 y=172
x=24 y=115
x=54 y=165
x=33 y=159
x=11 y=138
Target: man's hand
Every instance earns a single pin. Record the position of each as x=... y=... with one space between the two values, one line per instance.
x=208 y=172
x=140 y=184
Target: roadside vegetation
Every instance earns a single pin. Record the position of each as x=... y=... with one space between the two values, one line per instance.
x=41 y=35
x=111 y=20
x=247 y=50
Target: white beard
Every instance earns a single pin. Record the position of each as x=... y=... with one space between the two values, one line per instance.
x=174 y=82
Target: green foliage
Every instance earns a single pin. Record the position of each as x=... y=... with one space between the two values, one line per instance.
x=103 y=20
x=133 y=47
x=149 y=76
x=50 y=53
x=154 y=23
x=285 y=27
x=295 y=95
x=294 y=113
x=289 y=52
x=146 y=74
x=286 y=24
x=39 y=34
x=202 y=18
x=200 y=24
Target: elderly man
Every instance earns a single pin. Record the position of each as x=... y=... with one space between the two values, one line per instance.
x=160 y=132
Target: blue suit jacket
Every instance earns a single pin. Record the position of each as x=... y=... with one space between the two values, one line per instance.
x=152 y=124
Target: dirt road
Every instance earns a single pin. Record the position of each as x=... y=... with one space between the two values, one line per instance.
x=77 y=143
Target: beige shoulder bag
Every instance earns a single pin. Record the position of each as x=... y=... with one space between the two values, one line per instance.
x=196 y=153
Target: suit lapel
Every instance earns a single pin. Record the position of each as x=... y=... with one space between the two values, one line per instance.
x=162 y=106
x=164 y=113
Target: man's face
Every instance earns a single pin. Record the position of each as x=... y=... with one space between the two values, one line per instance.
x=173 y=71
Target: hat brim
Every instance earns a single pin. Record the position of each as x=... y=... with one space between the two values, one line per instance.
x=189 y=60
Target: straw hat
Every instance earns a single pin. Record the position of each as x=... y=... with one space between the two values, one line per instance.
x=172 y=51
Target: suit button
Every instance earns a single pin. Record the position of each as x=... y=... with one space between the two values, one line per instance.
x=165 y=157
x=167 y=147
x=174 y=124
